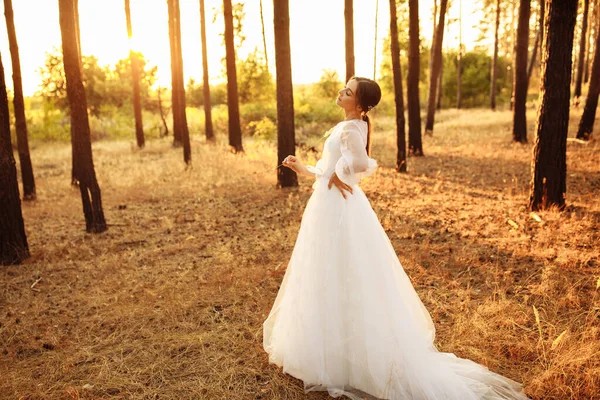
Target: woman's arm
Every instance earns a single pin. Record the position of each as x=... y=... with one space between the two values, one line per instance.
x=294 y=164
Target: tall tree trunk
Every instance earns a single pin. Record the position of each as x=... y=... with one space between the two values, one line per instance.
x=582 y=49
x=438 y=101
x=84 y=165
x=264 y=37
x=286 y=141
x=436 y=63
x=20 y=121
x=415 y=145
x=349 y=25
x=375 y=42
x=74 y=181
x=163 y=118
x=494 y=71
x=586 y=124
x=398 y=95
x=549 y=167
x=459 y=63
x=235 y=130
x=179 y=89
x=13 y=241
x=520 y=77
x=177 y=125
x=592 y=28
x=135 y=76
x=208 y=126
x=514 y=51
x=538 y=41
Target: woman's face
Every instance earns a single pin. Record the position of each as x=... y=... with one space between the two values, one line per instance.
x=347 y=97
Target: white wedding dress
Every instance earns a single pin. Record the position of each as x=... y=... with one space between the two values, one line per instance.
x=347 y=318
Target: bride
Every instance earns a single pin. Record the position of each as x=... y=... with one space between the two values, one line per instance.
x=346 y=318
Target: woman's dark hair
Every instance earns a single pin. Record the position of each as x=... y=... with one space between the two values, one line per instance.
x=368 y=94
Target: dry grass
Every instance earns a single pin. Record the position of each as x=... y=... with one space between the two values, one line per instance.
x=169 y=302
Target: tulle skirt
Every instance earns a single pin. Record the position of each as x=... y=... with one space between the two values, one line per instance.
x=347 y=319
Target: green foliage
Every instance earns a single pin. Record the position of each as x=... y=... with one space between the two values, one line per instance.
x=264 y=129
x=103 y=85
x=476 y=66
x=329 y=84
x=255 y=82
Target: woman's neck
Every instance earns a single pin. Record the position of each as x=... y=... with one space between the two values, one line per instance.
x=351 y=115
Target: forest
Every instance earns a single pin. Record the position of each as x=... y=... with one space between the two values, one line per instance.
x=145 y=227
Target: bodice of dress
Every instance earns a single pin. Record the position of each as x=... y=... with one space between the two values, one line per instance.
x=344 y=153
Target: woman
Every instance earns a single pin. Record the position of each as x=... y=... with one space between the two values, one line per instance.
x=346 y=318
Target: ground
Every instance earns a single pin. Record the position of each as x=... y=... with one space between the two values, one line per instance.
x=169 y=302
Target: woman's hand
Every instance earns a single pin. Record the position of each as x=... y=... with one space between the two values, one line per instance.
x=335 y=180
x=294 y=164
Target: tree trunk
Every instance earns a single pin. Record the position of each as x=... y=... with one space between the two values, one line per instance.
x=582 y=50
x=459 y=62
x=74 y=181
x=415 y=145
x=538 y=41
x=264 y=37
x=13 y=241
x=494 y=71
x=177 y=129
x=375 y=41
x=438 y=101
x=592 y=28
x=398 y=95
x=434 y=20
x=235 y=130
x=436 y=63
x=83 y=162
x=179 y=89
x=520 y=77
x=20 y=120
x=286 y=141
x=586 y=124
x=163 y=118
x=349 y=24
x=514 y=51
x=135 y=76
x=208 y=126
x=549 y=167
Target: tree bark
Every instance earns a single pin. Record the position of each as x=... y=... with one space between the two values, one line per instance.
x=436 y=63
x=592 y=28
x=13 y=240
x=494 y=71
x=208 y=126
x=438 y=101
x=19 y=103
x=549 y=167
x=179 y=89
x=135 y=76
x=264 y=37
x=80 y=127
x=235 y=129
x=398 y=95
x=520 y=74
x=586 y=124
x=162 y=113
x=177 y=128
x=582 y=50
x=349 y=28
x=459 y=62
x=286 y=141
x=415 y=145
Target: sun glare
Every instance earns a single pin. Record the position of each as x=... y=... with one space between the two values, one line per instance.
x=316 y=35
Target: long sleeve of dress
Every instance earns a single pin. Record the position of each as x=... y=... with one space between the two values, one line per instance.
x=354 y=164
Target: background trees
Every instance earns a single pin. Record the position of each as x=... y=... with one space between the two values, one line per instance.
x=83 y=166
x=13 y=241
